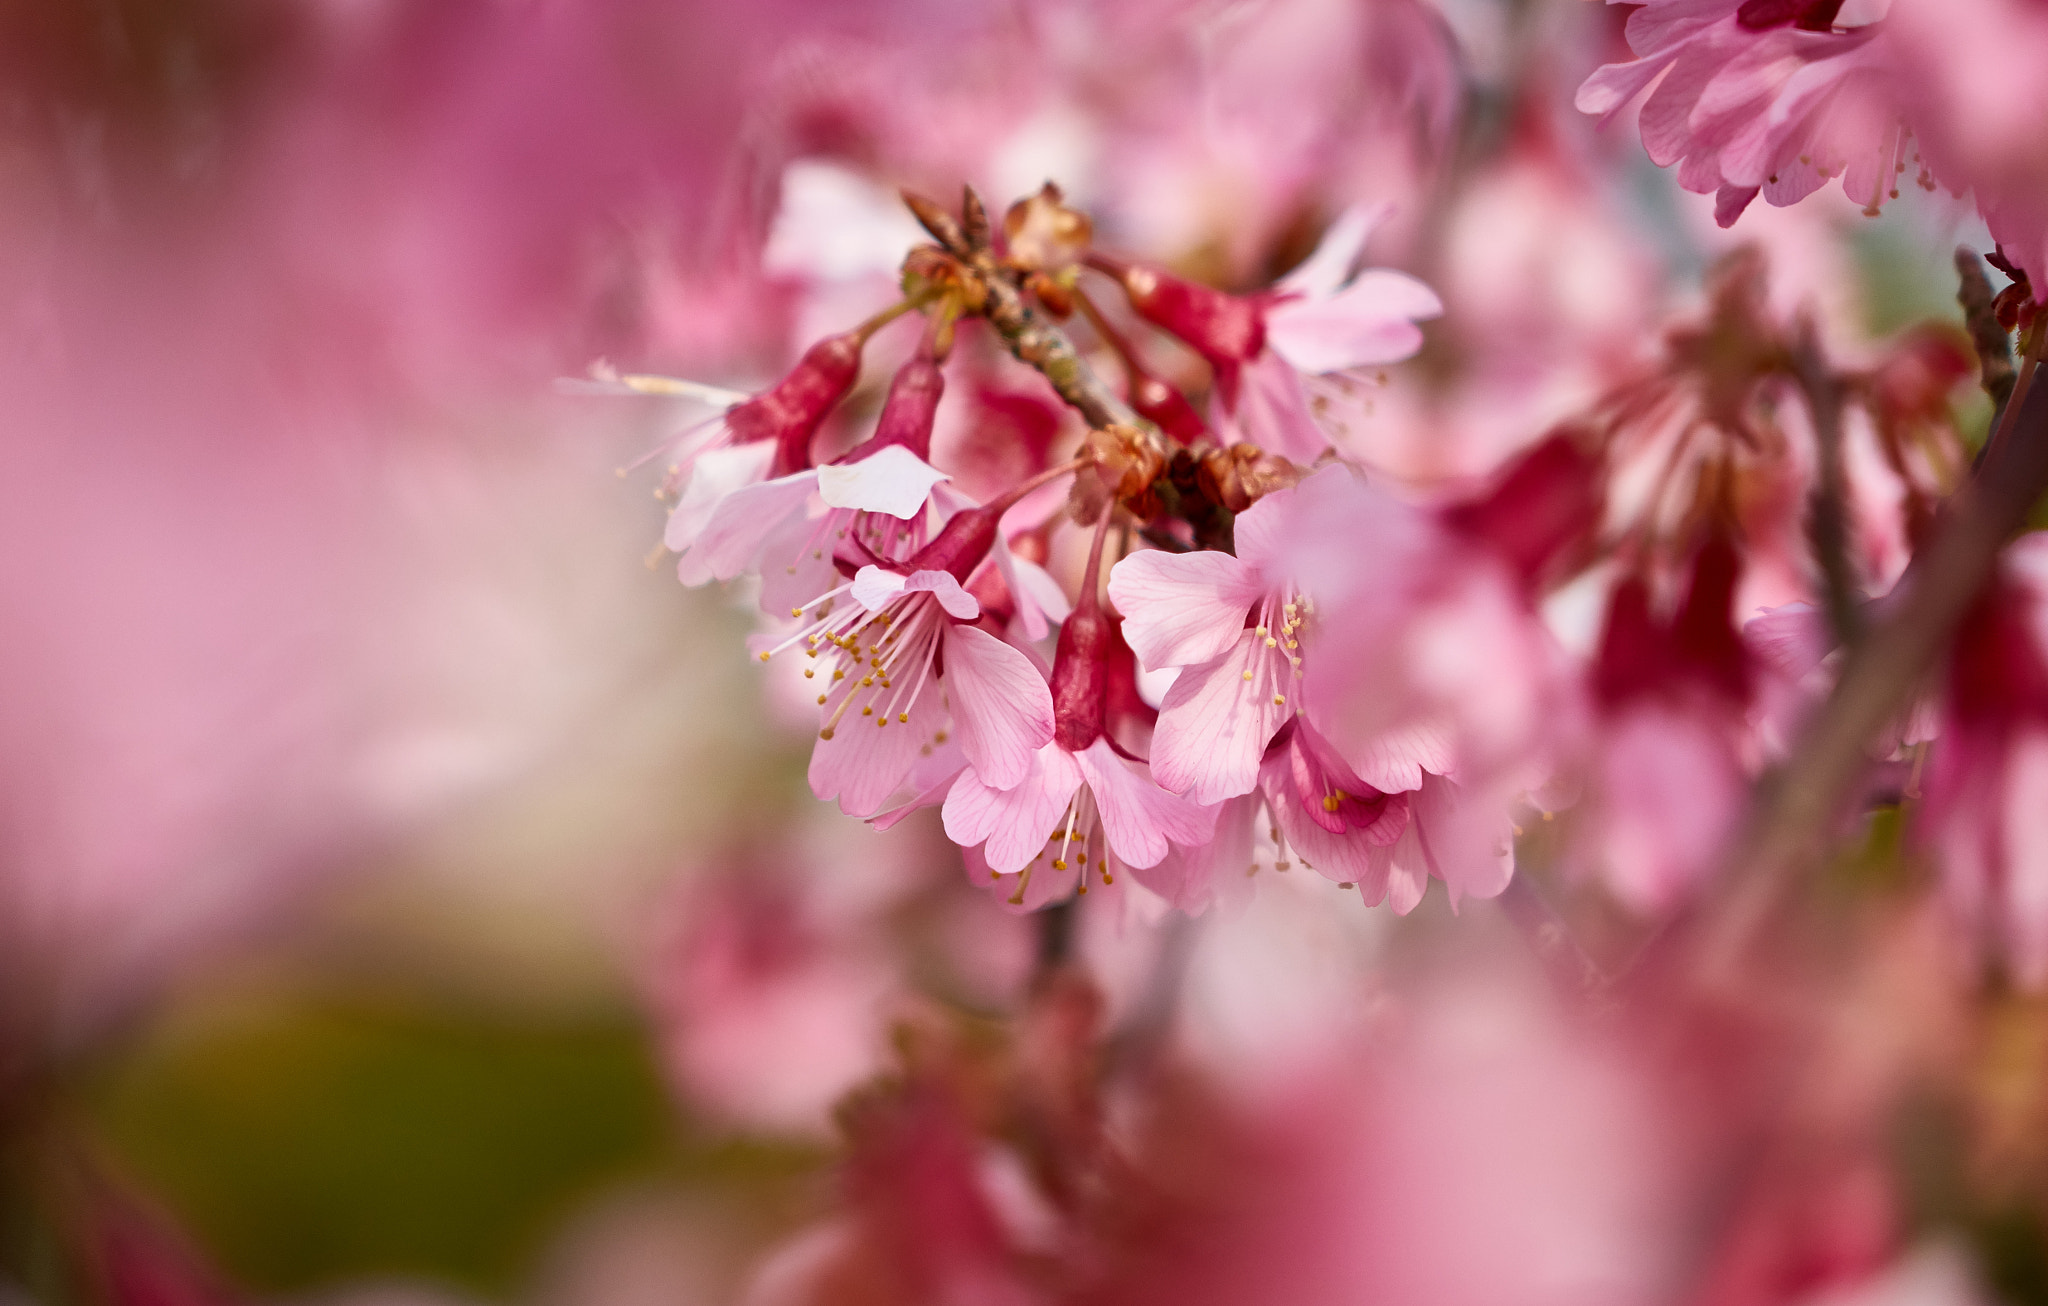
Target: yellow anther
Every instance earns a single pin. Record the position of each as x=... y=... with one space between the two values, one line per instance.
x=1331 y=802
x=1059 y=863
x=868 y=710
x=1247 y=675
x=1279 y=700
x=764 y=657
x=796 y=612
x=826 y=733
x=903 y=717
x=810 y=673
x=1271 y=642
x=821 y=700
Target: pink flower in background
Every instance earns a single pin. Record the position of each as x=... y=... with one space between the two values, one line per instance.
x=1763 y=97
x=1326 y=317
x=1987 y=775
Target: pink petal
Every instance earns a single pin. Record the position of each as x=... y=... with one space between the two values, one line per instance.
x=712 y=477
x=1324 y=272
x=1393 y=761
x=874 y=589
x=893 y=480
x=1002 y=708
x=1610 y=89
x=1013 y=824
x=1371 y=321
x=1273 y=412
x=1039 y=597
x=1214 y=724
x=1182 y=608
x=1462 y=837
x=1139 y=818
x=1192 y=877
x=731 y=541
x=867 y=759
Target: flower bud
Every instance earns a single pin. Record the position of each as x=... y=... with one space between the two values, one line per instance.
x=1167 y=408
x=908 y=412
x=791 y=412
x=1225 y=329
x=1043 y=234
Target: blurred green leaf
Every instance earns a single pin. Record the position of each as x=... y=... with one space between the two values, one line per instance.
x=344 y=1136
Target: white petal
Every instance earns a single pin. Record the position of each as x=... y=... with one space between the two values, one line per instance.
x=713 y=476
x=893 y=480
x=1322 y=273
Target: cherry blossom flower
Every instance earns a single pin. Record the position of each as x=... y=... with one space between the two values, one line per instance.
x=1987 y=775
x=1766 y=97
x=1082 y=811
x=1326 y=317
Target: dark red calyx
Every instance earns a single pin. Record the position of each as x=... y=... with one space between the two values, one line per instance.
x=1699 y=646
x=908 y=412
x=791 y=412
x=1703 y=630
x=961 y=543
x=1996 y=671
x=1080 y=676
x=1547 y=503
x=1121 y=699
x=1166 y=408
x=1807 y=15
x=1225 y=329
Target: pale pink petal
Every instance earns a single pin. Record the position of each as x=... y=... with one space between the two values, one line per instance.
x=1182 y=608
x=893 y=480
x=1324 y=272
x=1214 y=724
x=731 y=541
x=874 y=589
x=1012 y=824
x=1371 y=321
x=795 y=565
x=713 y=476
x=1139 y=818
x=1002 y=708
x=868 y=758
x=1393 y=761
x=1039 y=597
x=1610 y=89
x=1193 y=877
x=1462 y=837
x=1273 y=412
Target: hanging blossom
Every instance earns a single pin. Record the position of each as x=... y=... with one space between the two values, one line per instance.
x=1240 y=631
x=899 y=644
x=1280 y=352
x=1767 y=97
x=1085 y=812
x=795 y=529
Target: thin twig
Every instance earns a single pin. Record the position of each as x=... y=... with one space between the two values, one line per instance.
x=1994 y=348
x=1829 y=519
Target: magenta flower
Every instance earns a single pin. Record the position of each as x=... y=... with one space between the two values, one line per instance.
x=1986 y=811
x=1763 y=97
x=1326 y=317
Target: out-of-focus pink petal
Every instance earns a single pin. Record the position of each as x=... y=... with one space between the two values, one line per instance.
x=1138 y=817
x=1192 y=877
x=731 y=541
x=1462 y=837
x=1324 y=272
x=1272 y=410
x=1215 y=723
x=1370 y=321
x=713 y=476
x=1182 y=608
x=1002 y=707
x=893 y=480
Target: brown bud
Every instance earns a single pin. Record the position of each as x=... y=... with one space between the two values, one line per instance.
x=1054 y=293
x=1127 y=460
x=1045 y=235
x=1238 y=477
x=930 y=273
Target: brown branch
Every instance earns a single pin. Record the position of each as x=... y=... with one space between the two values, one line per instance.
x=1800 y=803
x=1035 y=342
x=1828 y=519
x=1980 y=316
